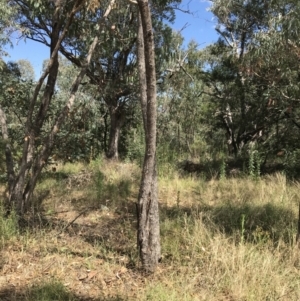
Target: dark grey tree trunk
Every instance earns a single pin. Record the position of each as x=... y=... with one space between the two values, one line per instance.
x=298 y=230
x=117 y=116
x=8 y=152
x=147 y=206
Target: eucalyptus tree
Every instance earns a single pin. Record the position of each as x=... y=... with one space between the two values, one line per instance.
x=14 y=93
x=252 y=67
x=26 y=70
x=148 y=235
x=241 y=108
x=276 y=64
x=7 y=24
x=237 y=23
x=113 y=69
x=15 y=90
x=37 y=145
x=80 y=137
x=186 y=115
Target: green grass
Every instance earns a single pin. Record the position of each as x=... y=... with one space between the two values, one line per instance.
x=8 y=227
x=49 y=291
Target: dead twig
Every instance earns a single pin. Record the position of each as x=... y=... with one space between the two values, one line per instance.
x=72 y=222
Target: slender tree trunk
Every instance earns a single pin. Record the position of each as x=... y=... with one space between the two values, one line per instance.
x=33 y=127
x=8 y=152
x=298 y=230
x=32 y=160
x=116 y=122
x=231 y=141
x=105 y=131
x=147 y=206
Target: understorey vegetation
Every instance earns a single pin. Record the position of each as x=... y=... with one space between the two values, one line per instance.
x=232 y=238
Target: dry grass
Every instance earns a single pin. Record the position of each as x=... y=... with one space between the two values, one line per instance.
x=229 y=239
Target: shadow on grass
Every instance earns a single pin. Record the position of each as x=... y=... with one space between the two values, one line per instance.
x=232 y=168
x=49 y=291
x=102 y=215
x=55 y=175
x=256 y=223
x=111 y=231
x=99 y=195
x=243 y=222
x=114 y=231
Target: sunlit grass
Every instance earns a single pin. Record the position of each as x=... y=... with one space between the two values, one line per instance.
x=229 y=239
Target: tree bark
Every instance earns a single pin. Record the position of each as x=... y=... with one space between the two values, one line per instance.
x=147 y=206
x=298 y=230
x=8 y=152
x=116 y=122
x=33 y=126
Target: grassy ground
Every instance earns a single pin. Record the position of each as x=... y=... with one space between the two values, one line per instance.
x=229 y=239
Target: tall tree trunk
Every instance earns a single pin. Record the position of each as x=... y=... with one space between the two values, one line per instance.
x=33 y=124
x=298 y=230
x=48 y=144
x=116 y=122
x=147 y=206
x=33 y=160
x=8 y=152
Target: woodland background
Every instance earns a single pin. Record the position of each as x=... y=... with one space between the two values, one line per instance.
x=227 y=155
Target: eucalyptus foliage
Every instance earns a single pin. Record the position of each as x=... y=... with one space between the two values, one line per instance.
x=7 y=24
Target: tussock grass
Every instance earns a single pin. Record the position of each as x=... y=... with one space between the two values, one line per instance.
x=49 y=291
x=211 y=266
x=229 y=239
x=8 y=228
